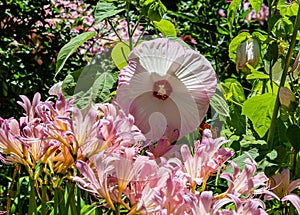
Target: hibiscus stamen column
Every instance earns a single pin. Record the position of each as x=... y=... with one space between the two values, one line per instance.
x=162 y=89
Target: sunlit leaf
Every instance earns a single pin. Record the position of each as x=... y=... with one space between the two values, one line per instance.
x=105 y=10
x=88 y=209
x=232 y=11
x=68 y=49
x=256 y=4
x=166 y=27
x=259 y=110
x=240 y=159
x=288 y=8
x=120 y=54
x=219 y=104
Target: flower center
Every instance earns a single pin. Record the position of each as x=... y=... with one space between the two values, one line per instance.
x=162 y=89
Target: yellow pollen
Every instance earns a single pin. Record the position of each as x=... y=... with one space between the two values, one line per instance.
x=162 y=91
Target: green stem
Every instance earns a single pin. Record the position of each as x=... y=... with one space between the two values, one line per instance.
x=44 y=200
x=56 y=201
x=32 y=201
x=282 y=81
x=142 y=33
x=78 y=200
x=10 y=190
x=115 y=31
x=270 y=11
x=297 y=168
x=128 y=24
x=71 y=197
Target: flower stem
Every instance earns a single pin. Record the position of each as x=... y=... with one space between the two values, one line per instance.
x=44 y=200
x=78 y=200
x=282 y=81
x=32 y=201
x=71 y=197
x=10 y=191
x=128 y=24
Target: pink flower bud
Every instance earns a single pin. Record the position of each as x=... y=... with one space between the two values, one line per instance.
x=248 y=52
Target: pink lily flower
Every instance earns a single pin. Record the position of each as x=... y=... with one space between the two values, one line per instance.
x=243 y=183
x=95 y=183
x=282 y=187
x=208 y=158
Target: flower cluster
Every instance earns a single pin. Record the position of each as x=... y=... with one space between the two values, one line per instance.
x=175 y=185
x=57 y=135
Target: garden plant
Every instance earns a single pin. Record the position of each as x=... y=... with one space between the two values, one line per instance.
x=150 y=107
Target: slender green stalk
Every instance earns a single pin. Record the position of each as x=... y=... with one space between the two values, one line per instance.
x=282 y=81
x=270 y=11
x=128 y=24
x=32 y=201
x=115 y=31
x=78 y=200
x=10 y=190
x=56 y=201
x=71 y=197
x=297 y=166
x=44 y=199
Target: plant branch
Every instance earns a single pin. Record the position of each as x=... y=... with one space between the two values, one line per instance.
x=282 y=81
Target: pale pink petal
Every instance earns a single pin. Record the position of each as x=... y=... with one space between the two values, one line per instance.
x=285 y=174
x=294 y=199
x=86 y=171
x=293 y=185
x=206 y=201
x=157 y=56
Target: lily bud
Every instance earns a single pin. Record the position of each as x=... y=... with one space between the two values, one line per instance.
x=286 y=96
x=248 y=52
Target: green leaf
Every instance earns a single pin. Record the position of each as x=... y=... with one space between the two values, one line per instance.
x=93 y=86
x=240 y=159
x=68 y=85
x=119 y=54
x=68 y=49
x=232 y=11
x=105 y=10
x=87 y=209
x=219 y=104
x=235 y=43
x=233 y=91
x=293 y=135
x=259 y=110
x=256 y=4
x=273 y=154
x=153 y=9
x=166 y=27
x=250 y=141
x=288 y=9
x=271 y=53
x=257 y=75
x=237 y=121
x=102 y=86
